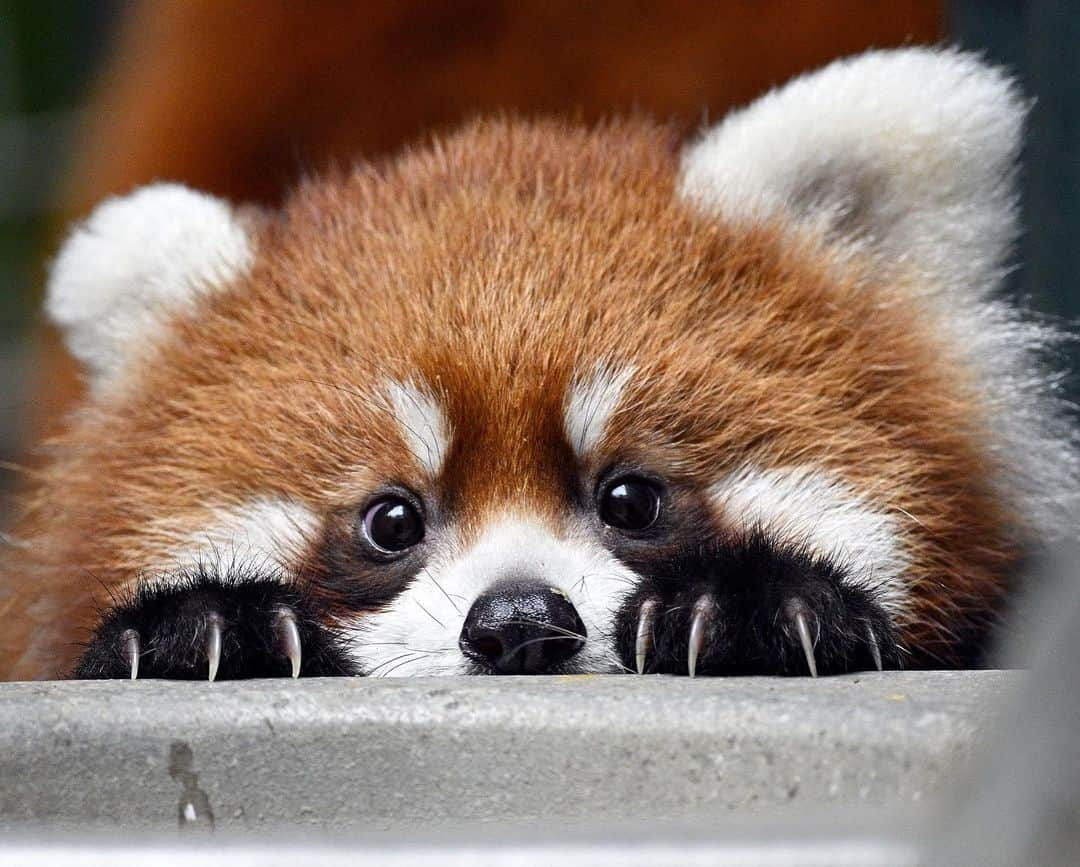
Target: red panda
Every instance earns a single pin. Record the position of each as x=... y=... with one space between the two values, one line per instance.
x=539 y=398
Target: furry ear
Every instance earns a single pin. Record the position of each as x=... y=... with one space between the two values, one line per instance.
x=909 y=154
x=136 y=261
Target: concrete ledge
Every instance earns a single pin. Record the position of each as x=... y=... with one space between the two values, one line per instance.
x=405 y=754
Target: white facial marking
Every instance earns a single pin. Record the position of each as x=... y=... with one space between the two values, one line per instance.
x=423 y=424
x=417 y=633
x=135 y=262
x=590 y=403
x=809 y=507
x=262 y=533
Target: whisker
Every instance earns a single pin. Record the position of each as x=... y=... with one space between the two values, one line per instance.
x=352 y=392
x=442 y=589
x=562 y=632
x=405 y=645
x=535 y=640
x=404 y=662
x=371 y=673
x=428 y=613
x=626 y=669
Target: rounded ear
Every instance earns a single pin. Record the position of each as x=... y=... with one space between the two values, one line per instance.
x=910 y=154
x=135 y=262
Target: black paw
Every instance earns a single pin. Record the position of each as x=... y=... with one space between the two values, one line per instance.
x=204 y=626
x=748 y=606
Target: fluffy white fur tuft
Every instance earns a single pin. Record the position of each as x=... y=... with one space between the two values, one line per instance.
x=908 y=158
x=909 y=153
x=136 y=261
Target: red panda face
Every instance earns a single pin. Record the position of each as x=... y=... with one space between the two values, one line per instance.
x=541 y=399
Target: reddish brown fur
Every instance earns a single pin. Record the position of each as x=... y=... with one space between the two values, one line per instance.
x=181 y=97
x=493 y=266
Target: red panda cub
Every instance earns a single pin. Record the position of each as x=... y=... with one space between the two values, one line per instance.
x=536 y=398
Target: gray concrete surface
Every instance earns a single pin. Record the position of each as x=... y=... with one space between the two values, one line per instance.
x=412 y=754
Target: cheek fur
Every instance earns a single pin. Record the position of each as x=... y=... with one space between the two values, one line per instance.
x=268 y=533
x=807 y=507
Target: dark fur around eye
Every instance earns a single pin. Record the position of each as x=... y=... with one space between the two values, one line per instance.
x=350 y=577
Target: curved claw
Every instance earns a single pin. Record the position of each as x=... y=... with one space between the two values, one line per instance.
x=798 y=615
x=643 y=644
x=875 y=650
x=214 y=628
x=288 y=636
x=702 y=616
x=132 y=650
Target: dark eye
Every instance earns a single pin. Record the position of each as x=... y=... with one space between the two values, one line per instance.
x=392 y=525
x=630 y=504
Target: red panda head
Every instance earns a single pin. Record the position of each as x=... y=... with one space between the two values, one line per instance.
x=534 y=354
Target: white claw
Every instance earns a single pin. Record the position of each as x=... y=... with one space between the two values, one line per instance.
x=875 y=651
x=804 y=638
x=643 y=645
x=702 y=614
x=289 y=638
x=132 y=650
x=214 y=627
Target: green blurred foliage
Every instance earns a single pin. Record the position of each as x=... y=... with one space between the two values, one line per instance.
x=48 y=50
x=1039 y=40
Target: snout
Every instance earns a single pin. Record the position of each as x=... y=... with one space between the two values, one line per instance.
x=522 y=627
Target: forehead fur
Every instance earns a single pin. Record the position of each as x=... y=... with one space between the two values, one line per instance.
x=492 y=271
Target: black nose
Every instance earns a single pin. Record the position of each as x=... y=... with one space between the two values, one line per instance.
x=522 y=627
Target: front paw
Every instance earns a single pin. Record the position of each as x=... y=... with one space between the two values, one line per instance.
x=208 y=626
x=752 y=606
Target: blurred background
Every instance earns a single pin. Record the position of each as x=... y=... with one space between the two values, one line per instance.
x=240 y=97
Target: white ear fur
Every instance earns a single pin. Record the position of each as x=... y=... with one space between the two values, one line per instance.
x=908 y=153
x=910 y=156
x=136 y=261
